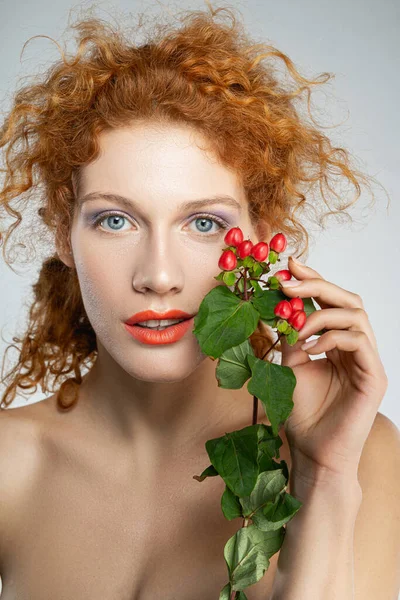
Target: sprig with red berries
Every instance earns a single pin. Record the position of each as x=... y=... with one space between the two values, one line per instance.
x=242 y=258
x=255 y=483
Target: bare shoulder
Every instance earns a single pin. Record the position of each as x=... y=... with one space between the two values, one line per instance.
x=381 y=452
x=20 y=435
x=377 y=530
x=382 y=421
x=20 y=460
x=383 y=437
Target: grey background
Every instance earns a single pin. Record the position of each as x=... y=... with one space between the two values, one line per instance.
x=357 y=40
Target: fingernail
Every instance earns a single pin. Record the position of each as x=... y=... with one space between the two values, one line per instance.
x=308 y=345
x=291 y=283
x=297 y=261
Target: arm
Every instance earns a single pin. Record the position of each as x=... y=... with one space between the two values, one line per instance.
x=318 y=537
x=316 y=558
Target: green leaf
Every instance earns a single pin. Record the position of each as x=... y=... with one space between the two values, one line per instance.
x=257 y=269
x=226 y=592
x=233 y=368
x=209 y=472
x=266 y=491
x=292 y=337
x=280 y=512
x=309 y=306
x=285 y=469
x=255 y=284
x=229 y=278
x=230 y=505
x=247 y=554
x=273 y=257
x=273 y=385
x=248 y=261
x=223 y=321
x=234 y=456
x=282 y=325
x=273 y=283
x=265 y=303
x=268 y=486
x=268 y=449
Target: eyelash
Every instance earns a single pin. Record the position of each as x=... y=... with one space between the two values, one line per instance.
x=97 y=220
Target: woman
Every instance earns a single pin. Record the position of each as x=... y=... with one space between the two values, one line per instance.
x=138 y=196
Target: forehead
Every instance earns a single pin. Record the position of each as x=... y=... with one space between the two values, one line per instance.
x=174 y=162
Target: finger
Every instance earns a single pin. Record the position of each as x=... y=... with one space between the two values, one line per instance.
x=293 y=356
x=355 y=319
x=325 y=293
x=301 y=271
x=306 y=275
x=356 y=342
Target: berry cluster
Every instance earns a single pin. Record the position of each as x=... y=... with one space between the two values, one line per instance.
x=290 y=314
x=242 y=248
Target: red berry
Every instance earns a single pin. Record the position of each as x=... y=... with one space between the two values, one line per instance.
x=297 y=319
x=283 y=309
x=227 y=261
x=283 y=275
x=244 y=248
x=260 y=251
x=278 y=243
x=297 y=304
x=234 y=237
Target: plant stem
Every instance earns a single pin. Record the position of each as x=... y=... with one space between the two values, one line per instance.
x=274 y=344
x=255 y=399
x=237 y=283
x=258 y=279
x=243 y=274
x=245 y=283
x=233 y=595
x=255 y=410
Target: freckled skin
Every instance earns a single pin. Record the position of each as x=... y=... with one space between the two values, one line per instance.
x=161 y=394
x=110 y=508
x=94 y=521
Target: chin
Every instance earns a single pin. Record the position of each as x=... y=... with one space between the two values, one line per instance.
x=167 y=369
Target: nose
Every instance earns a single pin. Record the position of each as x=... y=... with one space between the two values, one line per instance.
x=159 y=267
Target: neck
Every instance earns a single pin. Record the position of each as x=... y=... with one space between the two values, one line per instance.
x=162 y=419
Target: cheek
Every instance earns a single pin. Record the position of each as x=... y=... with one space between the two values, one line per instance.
x=100 y=288
x=202 y=255
x=106 y=276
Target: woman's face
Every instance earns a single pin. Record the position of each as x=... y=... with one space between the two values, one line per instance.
x=155 y=253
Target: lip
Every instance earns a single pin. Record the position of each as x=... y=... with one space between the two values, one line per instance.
x=153 y=337
x=147 y=315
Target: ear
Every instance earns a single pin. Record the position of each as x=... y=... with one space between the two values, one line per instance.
x=64 y=253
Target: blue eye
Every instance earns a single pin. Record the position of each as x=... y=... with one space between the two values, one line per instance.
x=212 y=218
x=105 y=216
x=118 y=218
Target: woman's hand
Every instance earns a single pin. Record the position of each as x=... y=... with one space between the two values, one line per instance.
x=336 y=398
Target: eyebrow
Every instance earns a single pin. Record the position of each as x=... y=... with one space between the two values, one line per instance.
x=192 y=204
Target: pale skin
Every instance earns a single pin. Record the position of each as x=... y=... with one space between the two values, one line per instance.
x=161 y=260
x=123 y=515
x=329 y=430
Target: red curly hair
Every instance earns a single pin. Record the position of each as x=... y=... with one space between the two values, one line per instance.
x=204 y=73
